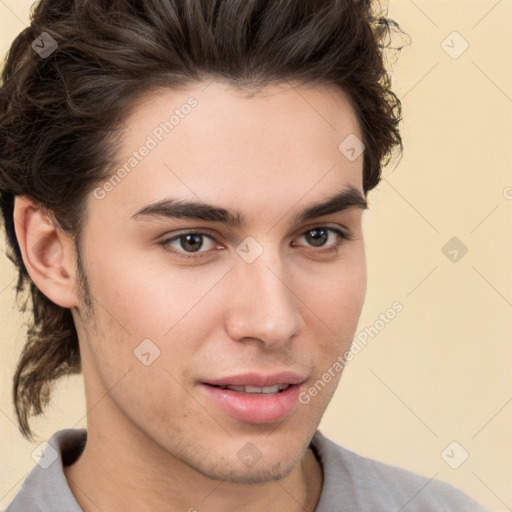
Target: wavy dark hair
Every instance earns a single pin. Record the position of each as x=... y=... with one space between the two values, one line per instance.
x=60 y=112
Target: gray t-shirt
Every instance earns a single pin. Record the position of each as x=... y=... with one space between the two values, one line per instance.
x=352 y=483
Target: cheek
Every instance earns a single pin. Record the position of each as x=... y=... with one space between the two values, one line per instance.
x=149 y=300
x=337 y=297
x=334 y=310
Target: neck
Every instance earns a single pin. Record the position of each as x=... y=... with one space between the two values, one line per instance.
x=121 y=469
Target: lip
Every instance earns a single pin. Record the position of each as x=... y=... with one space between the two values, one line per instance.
x=257 y=379
x=255 y=408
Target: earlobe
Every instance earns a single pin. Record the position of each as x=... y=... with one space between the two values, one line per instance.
x=46 y=252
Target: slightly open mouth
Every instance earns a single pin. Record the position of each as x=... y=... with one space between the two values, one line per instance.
x=278 y=388
x=254 y=404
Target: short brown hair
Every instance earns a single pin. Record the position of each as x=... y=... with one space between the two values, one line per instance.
x=59 y=113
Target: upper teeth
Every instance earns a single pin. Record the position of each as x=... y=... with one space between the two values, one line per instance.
x=255 y=389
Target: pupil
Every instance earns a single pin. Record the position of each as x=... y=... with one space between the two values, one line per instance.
x=192 y=242
x=318 y=240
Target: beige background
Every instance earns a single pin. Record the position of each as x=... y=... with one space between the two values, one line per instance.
x=440 y=370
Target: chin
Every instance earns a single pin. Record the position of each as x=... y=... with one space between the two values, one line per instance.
x=248 y=465
x=260 y=474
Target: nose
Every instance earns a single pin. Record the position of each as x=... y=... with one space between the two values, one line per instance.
x=263 y=304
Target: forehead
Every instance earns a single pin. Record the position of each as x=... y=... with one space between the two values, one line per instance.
x=216 y=143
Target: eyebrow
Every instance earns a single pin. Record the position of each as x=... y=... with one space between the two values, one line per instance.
x=348 y=198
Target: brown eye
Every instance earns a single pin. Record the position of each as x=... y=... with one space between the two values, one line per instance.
x=319 y=237
x=189 y=245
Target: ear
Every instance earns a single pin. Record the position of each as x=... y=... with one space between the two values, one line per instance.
x=48 y=253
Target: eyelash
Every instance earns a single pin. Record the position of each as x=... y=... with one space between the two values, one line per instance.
x=342 y=238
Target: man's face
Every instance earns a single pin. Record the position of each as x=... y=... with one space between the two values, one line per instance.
x=272 y=301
